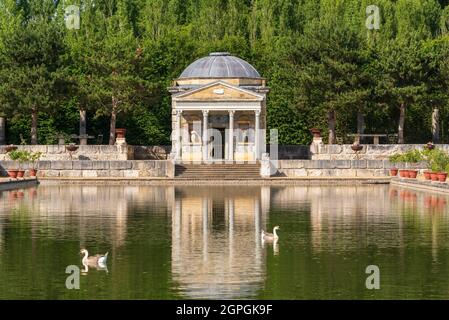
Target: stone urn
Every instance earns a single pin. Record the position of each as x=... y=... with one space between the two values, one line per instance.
x=316 y=132
x=71 y=148
x=10 y=148
x=120 y=133
x=356 y=147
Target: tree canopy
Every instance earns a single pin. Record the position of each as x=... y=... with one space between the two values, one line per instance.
x=320 y=60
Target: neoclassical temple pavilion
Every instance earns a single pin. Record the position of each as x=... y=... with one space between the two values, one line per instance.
x=219 y=111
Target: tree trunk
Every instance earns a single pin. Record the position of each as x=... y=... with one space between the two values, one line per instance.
x=2 y=131
x=436 y=126
x=113 y=121
x=83 y=124
x=401 y=124
x=331 y=125
x=34 y=126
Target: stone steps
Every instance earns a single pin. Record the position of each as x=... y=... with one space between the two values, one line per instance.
x=217 y=171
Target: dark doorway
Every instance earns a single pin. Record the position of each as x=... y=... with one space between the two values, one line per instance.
x=218 y=147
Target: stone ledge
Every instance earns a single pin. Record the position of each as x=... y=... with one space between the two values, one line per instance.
x=422 y=184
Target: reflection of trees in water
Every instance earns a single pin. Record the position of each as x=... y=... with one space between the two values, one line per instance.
x=43 y=231
x=339 y=215
x=424 y=214
x=87 y=213
x=216 y=249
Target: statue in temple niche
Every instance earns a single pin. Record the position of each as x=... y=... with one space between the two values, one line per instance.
x=195 y=137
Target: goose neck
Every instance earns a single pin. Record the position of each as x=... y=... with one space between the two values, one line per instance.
x=86 y=254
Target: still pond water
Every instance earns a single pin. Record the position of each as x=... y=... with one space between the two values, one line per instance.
x=204 y=242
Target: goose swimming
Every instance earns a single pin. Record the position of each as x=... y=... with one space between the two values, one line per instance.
x=269 y=237
x=96 y=260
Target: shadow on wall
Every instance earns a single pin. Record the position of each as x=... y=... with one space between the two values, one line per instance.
x=285 y=152
x=292 y=152
x=151 y=152
x=3 y=171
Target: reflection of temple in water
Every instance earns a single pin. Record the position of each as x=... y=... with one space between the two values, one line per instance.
x=216 y=247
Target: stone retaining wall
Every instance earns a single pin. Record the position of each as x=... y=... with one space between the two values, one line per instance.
x=369 y=151
x=92 y=169
x=337 y=168
x=85 y=152
x=285 y=152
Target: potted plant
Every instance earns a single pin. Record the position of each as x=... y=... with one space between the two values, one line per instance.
x=427 y=158
x=34 y=158
x=16 y=155
x=439 y=161
x=24 y=156
x=412 y=156
x=394 y=159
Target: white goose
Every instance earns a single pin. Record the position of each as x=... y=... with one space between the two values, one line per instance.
x=96 y=260
x=270 y=237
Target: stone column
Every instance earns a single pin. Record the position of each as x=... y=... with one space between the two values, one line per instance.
x=2 y=131
x=205 y=134
x=231 y=136
x=178 y=134
x=257 y=134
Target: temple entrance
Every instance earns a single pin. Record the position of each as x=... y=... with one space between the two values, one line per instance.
x=218 y=144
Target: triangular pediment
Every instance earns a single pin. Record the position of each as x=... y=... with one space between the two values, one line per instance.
x=219 y=91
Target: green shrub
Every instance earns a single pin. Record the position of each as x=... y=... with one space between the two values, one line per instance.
x=19 y=155
x=413 y=156
x=396 y=158
x=438 y=160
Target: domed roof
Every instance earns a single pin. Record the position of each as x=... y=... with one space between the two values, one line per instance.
x=220 y=65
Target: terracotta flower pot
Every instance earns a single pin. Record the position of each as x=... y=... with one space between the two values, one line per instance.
x=427 y=175
x=20 y=173
x=434 y=176
x=393 y=172
x=316 y=132
x=403 y=173
x=33 y=172
x=120 y=133
x=412 y=174
x=12 y=173
x=442 y=176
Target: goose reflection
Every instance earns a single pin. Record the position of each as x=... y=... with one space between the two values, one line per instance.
x=102 y=267
x=275 y=244
x=216 y=247
x=97 y=262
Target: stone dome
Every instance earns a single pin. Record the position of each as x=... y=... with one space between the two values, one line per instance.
x=220 y=65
